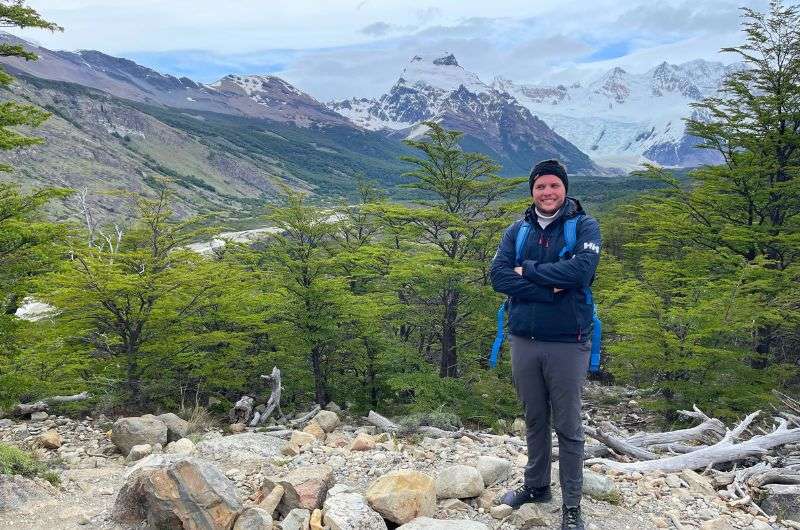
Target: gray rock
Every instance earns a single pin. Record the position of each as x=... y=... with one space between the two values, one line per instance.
x=349 y=511
x=238 y=447
x=138 y=452
x=493 y=469
x=185 y=492
x=16 y=490
x=184 y=446
x=297 y=519
x=327 y=420
x=528 y=516
x=459 y=482
x=5 y=422
x=501 y=511
x=600 y=487
x=39 y=416
x=128 y=432
x=253 y=519
x=782 y=500
x=177 y=427
x=427 y=523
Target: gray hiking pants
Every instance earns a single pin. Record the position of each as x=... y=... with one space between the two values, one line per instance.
x=549 y=376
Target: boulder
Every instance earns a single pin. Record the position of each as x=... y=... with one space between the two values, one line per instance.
x=128 y=432
x=6 y=422
x=600 y=487
x=426 y=523
x=184 y=446
x=50 y=439
x=240 y=447
x=698 y=483
x=519 y=428
x=362 y=442
x=337 y=440
x=349 y=510
x=177 y=427
x=502 y=511
x=181 y=492
x=402 y=495
x=297 y=519
x=327 y=419
x=301 y=439
x=528 y=516
x=138 y=452
x=237 y=428
x=39 y=416
x=16 y=490
x=253 y=519
x=304 y=487
x=493 y=469
x=782 y=500
x=459 y=482
x=315 y=430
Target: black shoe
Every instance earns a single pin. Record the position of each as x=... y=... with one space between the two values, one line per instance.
x=523 y=495
x=571 y=518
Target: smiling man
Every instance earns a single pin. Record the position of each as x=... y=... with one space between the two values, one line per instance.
x=550 y=320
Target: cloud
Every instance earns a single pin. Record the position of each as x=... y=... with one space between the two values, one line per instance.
x=377 y=29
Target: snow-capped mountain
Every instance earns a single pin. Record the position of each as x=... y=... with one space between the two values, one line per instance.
x=621 y=119
x=493 y=122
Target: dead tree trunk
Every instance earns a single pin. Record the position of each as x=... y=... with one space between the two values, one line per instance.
x=274 y=401
x=26 y=409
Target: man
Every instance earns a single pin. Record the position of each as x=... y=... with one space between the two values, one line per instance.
x=550 y=321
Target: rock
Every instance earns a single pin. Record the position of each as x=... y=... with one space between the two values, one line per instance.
x=337 y=440
x=333 y=407
x=184 y=446
x=698 y=483
x=50 y=439
x=184 y=492
x=5 y=423
x=759 y=525
x=304 y=487
x=402 y=495
x=16 y=490
x=177 y=427
x=348 y=510
x=327 y=419
x=128 y=432
x=454 y=505
x=519 y=428
x=237 y=428
x=272 y=499
x=459 y=482
x=297 y=519
x=721 y=523
x=600 y=487
x=528 y=516
x=301 y=439
x=315 y=522
x=138 y=452
x=238 y=447
x=427 y=523
x=501 y=511
x=39 y=416
x=493 y=469
x=290 y=449
x=673 y=481
x=253 y=519
x=362 y=442
x=782 y=500
x=315 y=430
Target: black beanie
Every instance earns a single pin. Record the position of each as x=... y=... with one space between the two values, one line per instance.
x=549 y=167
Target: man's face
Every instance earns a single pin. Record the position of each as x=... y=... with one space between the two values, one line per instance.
x=548 y=194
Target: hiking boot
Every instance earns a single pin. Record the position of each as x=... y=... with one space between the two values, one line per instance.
x=571 y=518
x=523 y=495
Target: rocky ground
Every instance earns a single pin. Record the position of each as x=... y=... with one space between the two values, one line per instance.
x=356 y=456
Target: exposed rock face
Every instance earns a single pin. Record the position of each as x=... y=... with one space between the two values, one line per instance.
x=459 y=482
x=427 y=523
x=304 y=487
x=348 y=510
x=128 y=432
x=177 y=427
x=782 y=500
x=402 y=495
x=185 y=493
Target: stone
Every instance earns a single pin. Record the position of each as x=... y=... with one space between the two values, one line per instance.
x=16 y=491
x=301 y=439
x=362 y=442
x=327 y=419
x=138 y=452
x=698 y=483
x=297 y=519
x=304 y=487
x=240 y=447
x=673 y=481
x=237 y=428
x=177 y=427
x=39 y=416
x=253 y=519
x=502 y=511
x=493 y=469
x=720 y=523
x=315 y=430
x=454 y=505
x=333 y=407
x=272 y=499
x=459 y=482
x=782 y=500
x=50 y=439
x=5 y=423
x=759 y=525
x=519 y=428
x=184 y=446
x=128 y=432
x=427 y=523
x=528 y=516
x=347 y=510
x=600 y=487
x=315 y=522
x=173 y=492
x=337 y=440
x=402 y=495
x=290 y=449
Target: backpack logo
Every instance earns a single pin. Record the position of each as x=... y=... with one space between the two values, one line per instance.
x=594 y=247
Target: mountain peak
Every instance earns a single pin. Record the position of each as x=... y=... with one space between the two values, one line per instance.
x=449 y=60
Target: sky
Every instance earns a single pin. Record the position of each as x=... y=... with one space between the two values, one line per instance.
x=335 y=49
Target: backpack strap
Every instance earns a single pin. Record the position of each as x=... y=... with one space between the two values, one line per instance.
x=522 y=238
x=570 y=235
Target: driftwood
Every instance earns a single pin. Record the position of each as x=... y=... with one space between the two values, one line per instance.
x=242 y=411
x=26 y=409
x=381 y=422
x=710 y=430
x=274 y=401
x=305 y=418
x=620 y=445
x=726 y=450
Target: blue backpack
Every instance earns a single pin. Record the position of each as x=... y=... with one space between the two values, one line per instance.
x=570 y=237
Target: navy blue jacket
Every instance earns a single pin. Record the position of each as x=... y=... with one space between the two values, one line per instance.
x=535 y=310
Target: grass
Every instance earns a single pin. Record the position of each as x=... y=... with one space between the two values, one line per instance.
x=15 y=461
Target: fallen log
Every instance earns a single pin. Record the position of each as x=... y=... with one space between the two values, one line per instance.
x=305 y=418
x=619 y=445
x=43 y=405
x=710 y=430
x=381 y=422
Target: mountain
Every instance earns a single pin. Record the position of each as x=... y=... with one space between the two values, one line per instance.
x=493 y=122
x=621 y=119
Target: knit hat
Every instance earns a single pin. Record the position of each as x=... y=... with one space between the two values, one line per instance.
x=549 y=167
